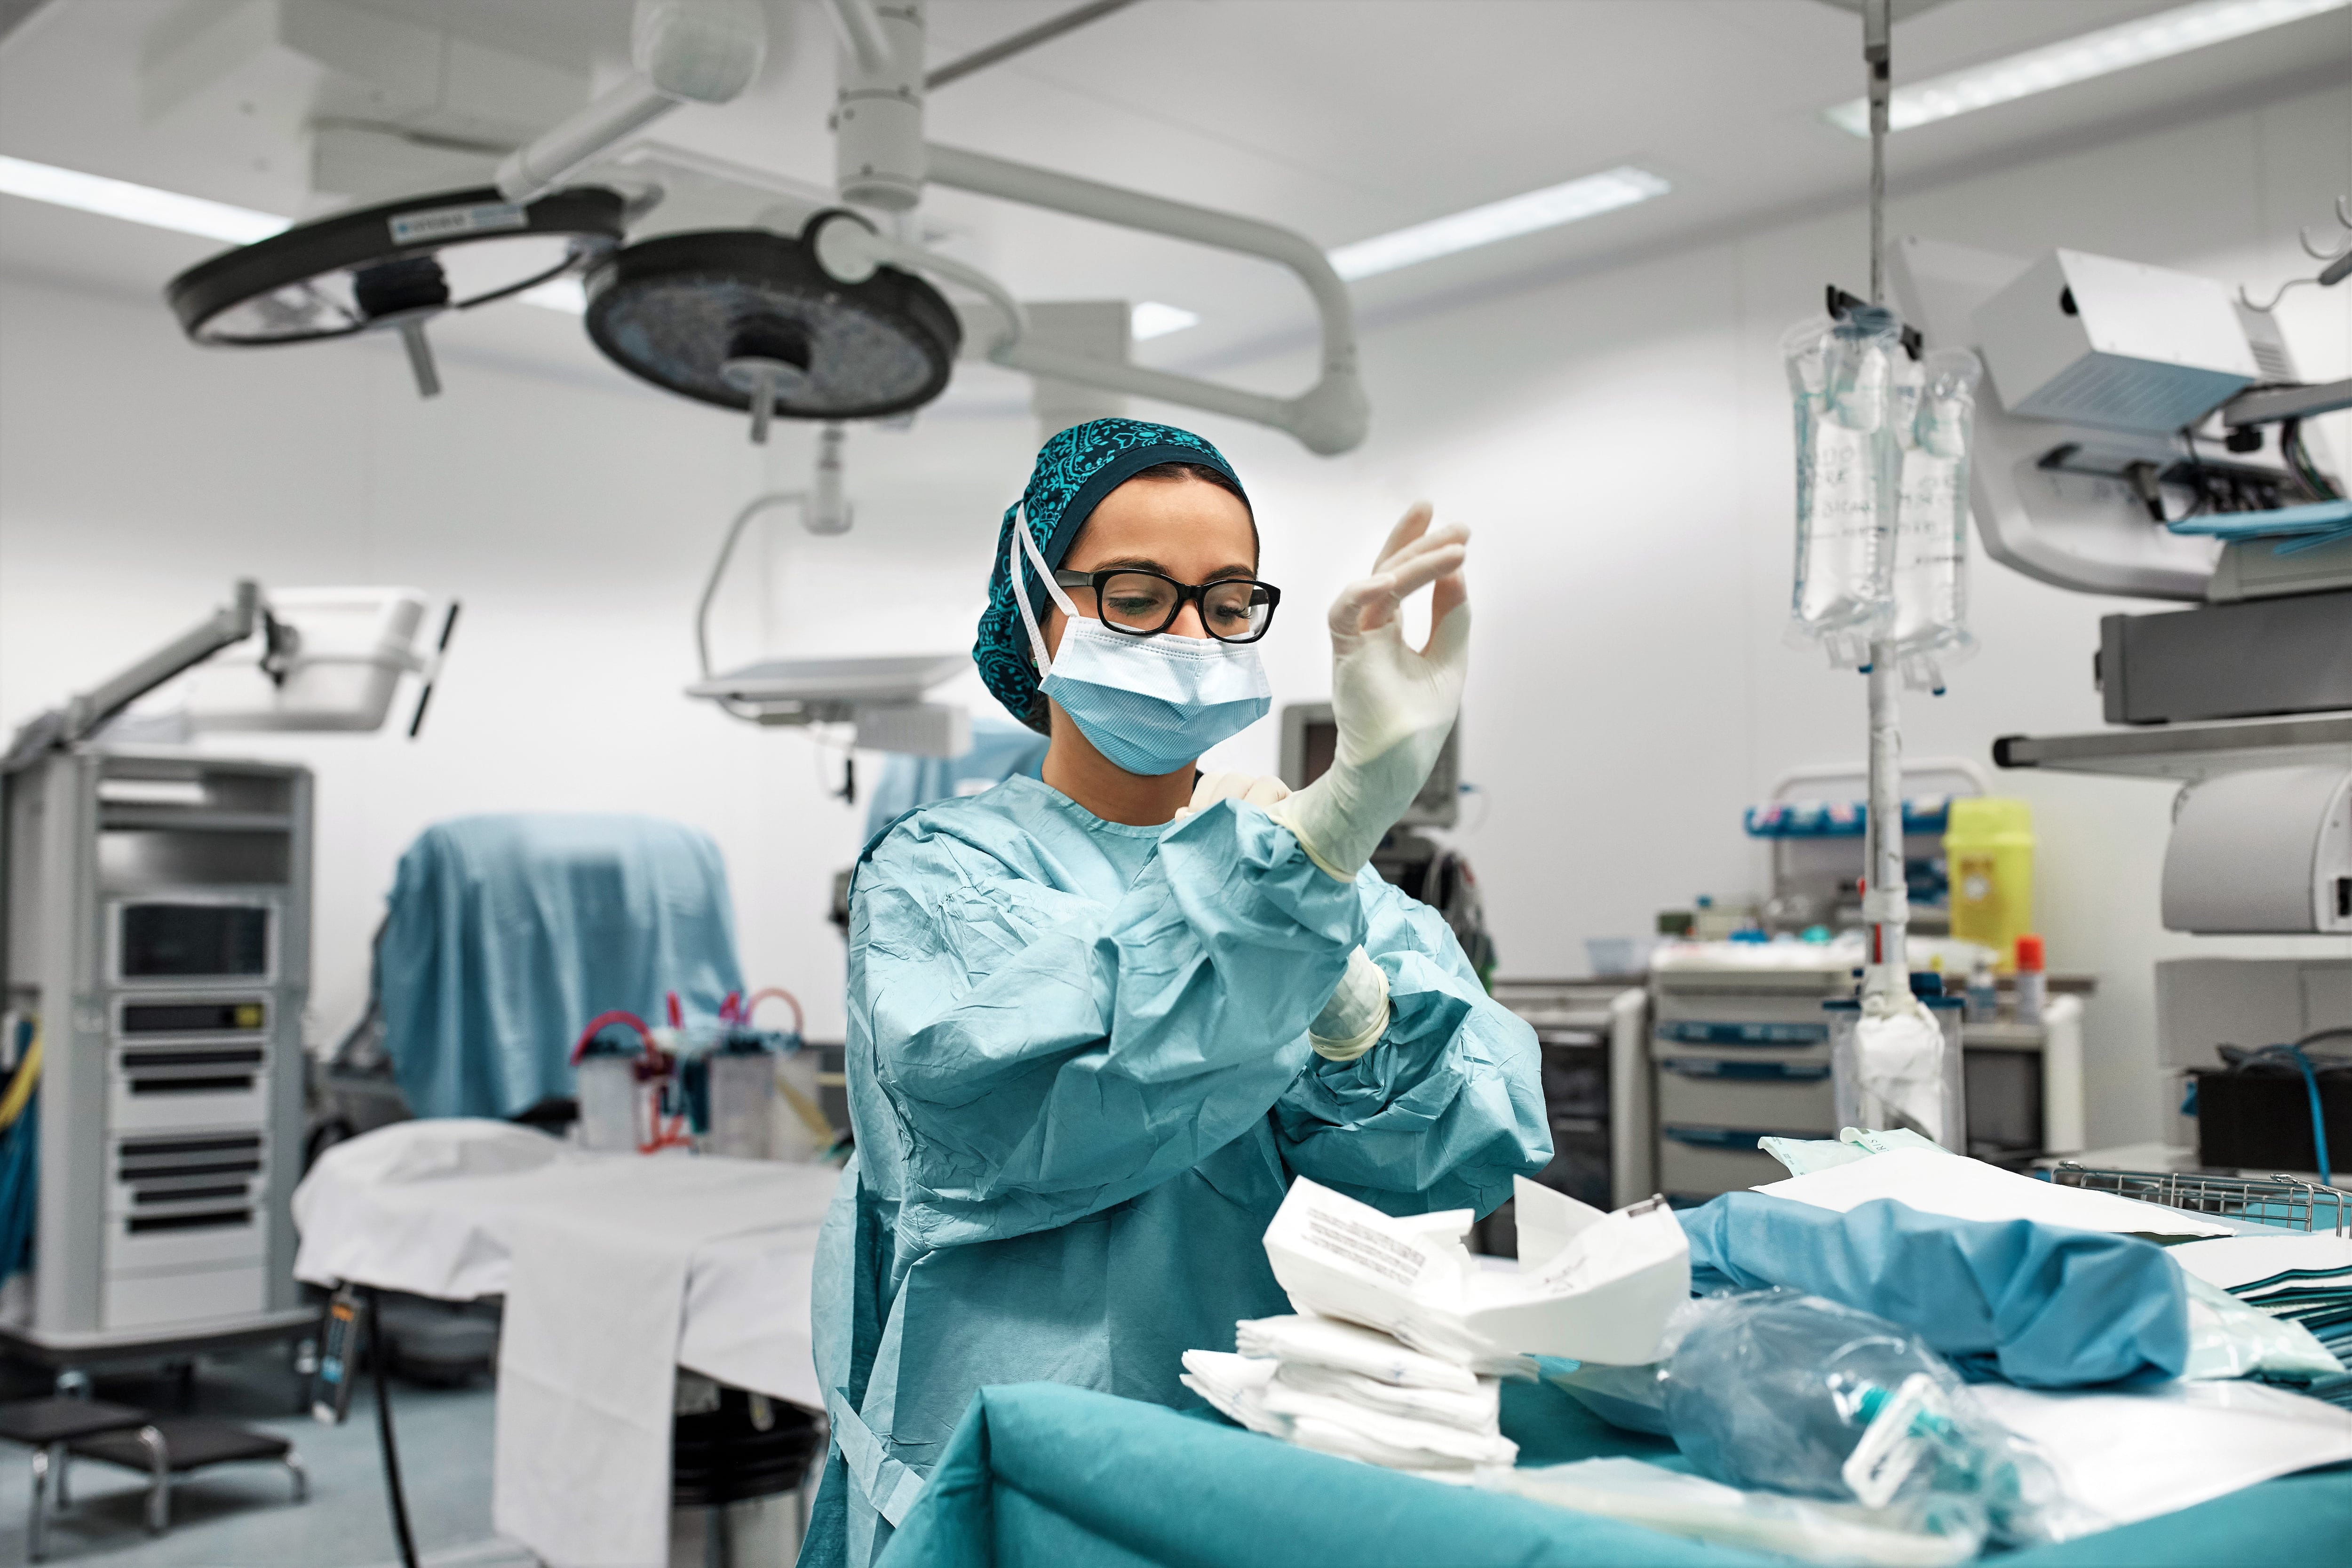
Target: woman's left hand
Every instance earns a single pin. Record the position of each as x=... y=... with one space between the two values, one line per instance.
x=1253 y=788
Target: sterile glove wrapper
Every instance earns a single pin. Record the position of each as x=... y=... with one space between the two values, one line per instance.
x=1590 y=1286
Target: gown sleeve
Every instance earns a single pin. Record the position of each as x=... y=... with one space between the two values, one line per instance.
x=1448 y=1106
x=1044 y=1056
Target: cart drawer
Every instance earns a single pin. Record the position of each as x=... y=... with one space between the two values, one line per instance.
x=1791 y=1098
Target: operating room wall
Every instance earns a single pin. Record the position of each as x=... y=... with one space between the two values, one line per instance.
x=1618 y=435
x=1620 y=441
x=574 y=517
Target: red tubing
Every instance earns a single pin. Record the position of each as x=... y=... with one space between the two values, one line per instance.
x=800 y=1019
x=596 y=1026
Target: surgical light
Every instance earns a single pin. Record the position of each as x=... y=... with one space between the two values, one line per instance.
x=2071 y=60
x=135 y=203
x=392 y=267
x=1152 y=320
x=1568 y=203
x=748 y=319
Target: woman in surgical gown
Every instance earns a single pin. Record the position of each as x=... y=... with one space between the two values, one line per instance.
x=1080 y=1069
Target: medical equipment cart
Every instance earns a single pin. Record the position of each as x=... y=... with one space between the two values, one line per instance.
x=156 y=933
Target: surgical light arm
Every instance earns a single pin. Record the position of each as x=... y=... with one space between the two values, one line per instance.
x=1329 y=417
x=683 y=51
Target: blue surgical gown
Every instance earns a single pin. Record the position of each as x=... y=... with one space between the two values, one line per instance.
x=1081 y=1084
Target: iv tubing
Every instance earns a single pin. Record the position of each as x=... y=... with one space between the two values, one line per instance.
x=799 y=1018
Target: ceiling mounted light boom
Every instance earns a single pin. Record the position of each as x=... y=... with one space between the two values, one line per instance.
x=683 y=51
x=881 y=160
x=390 y=267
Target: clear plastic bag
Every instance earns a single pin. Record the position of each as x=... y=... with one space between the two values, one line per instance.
x=1776 y=1389
x=1841 y=377
x=1933 y=419
x=1900 y=1068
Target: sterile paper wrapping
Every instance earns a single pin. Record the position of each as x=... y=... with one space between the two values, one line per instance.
x=1593 y=1286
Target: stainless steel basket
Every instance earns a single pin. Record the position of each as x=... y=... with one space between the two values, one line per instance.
x=2280 y=1201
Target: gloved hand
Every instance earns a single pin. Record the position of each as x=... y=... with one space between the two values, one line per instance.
x=1254 y=789
x=1393 y=705
x=1356 y=1016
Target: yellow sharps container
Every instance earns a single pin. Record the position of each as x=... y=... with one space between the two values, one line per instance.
x=1989 y=853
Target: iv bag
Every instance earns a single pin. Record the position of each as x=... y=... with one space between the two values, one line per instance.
x=1840 y=379
x=1934 y=410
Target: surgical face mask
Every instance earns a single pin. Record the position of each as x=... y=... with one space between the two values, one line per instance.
x=1151 y=705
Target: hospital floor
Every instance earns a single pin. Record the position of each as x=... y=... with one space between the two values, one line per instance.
x=242 y=1516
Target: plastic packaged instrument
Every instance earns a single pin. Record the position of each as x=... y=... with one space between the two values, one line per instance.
x=1776 y=1389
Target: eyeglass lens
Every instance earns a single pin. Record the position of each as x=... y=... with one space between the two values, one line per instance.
x=1230 y=611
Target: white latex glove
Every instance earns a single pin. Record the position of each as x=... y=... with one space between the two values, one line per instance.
x=1356 y=1016
x=1393 y=705
x=1254 y=789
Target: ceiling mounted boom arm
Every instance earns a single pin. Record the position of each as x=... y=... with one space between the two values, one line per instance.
x=685 y=51
x=1328 y=418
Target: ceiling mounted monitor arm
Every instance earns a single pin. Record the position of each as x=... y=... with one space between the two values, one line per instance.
x=85 y=713
x=1328 y=418
x=683 y=51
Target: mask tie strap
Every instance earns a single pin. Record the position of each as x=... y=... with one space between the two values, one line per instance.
x=1021 y=595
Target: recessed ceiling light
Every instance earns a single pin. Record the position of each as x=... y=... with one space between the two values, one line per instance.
x=136 y=203
x=1153 y=320
x=1507 y=219
x=2070 y=61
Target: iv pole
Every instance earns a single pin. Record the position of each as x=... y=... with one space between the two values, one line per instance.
x=1885 y=903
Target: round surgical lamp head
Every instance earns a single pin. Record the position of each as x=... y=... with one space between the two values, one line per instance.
x=748 y=318
x=392 y=268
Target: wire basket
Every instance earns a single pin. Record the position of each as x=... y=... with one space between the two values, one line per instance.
x=2276 y=1200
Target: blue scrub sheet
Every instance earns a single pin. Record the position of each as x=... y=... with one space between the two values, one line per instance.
x=2037 y=1305
x=1044 y=1475
x=507 y=932
x=1080 y=1082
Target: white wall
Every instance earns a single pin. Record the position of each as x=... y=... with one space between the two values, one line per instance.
x=1619 y=439
x=1622 y=441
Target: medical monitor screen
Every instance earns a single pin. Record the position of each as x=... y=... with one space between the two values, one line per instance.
x=193 y=941
x=1318 y=741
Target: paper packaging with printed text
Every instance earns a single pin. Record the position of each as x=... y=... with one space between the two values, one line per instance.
x=1592 y=1286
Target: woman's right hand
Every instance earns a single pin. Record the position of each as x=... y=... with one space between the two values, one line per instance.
x=1393 y=705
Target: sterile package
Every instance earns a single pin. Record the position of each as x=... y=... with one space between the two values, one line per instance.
x=1802 y=1157
x=1702 y=1510
x=1971 y=1189
x=1592 y=1286
x=2228 y=1338
x=1778 y=1389
x=2130 y=1454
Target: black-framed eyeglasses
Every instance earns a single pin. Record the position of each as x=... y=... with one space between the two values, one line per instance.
x=1146 y=603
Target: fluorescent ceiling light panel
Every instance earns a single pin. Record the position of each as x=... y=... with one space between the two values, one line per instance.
x=1153 y=320
x=1507 y=219
x=136 y=203
x=2063 y=64
x=207 y=220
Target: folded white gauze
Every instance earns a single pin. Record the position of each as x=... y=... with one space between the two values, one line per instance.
x=1236 y=1385
x=1344 y=1347
x=1421 y=1445
x=1479 y=1412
